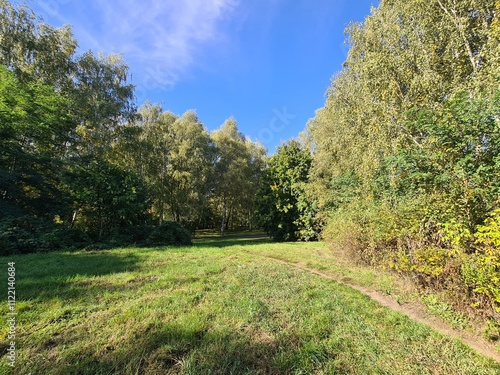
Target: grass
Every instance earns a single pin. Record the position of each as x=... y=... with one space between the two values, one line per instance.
x=219 y=307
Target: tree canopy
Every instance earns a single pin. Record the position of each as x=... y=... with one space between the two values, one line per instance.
x=77 y=155
x=406 y=156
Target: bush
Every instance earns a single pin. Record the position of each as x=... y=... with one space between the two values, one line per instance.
x=28 y=234
x=139 y=234
x=169 y=233
x=482 y=269
x=362 y=229
x=61 y=238
x=343 y=233
x=125 y=236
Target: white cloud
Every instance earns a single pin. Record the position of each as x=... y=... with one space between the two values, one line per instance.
x=160 y=39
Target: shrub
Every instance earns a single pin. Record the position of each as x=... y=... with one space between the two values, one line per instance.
x=138 y=234
x=482 y=269
x=61 y=238
x=343 y=233
x=28 y=234
x=169 y=233
x=364 y=229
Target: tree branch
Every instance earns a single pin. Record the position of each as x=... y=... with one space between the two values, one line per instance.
x=461 y=31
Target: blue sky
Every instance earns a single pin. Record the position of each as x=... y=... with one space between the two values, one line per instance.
x=267 y=63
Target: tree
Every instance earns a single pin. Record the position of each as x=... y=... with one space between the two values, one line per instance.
x=237 y=168
x=102 y=102
x=457 y=160
x=59 y=117
x=256 y=164
x=35 y=50
x=191 y=159
x=107 y=198
x=174 y=155
x=405 y=148
x=148 y=153
x=33 y=121
x=283 y=209
x=405 y=57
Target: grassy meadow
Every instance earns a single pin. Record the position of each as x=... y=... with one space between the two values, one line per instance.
x=218 y=307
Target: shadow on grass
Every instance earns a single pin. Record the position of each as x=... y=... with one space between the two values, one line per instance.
x=174 y=349
x=44 y=276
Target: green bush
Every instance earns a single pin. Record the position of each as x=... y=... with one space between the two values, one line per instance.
x=125 y=236
x=138 y=234
x=169 y=233
x=344 y=233
x=364 y=229
x=481 y=270
x=28 y=234
x=61 y=238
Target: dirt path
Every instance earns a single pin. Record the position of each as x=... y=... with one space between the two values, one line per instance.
x=414 y=311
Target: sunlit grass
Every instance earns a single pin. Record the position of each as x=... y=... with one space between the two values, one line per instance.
x=219 y=307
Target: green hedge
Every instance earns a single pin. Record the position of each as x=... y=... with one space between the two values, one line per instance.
x=28 y=234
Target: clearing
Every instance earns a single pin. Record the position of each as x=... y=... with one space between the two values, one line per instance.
x=232 y=306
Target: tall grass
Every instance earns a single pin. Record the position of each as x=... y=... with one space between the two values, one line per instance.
x=218 y=307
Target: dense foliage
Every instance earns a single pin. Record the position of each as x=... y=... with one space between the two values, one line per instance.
x=80 y=165
x=283 y=209
x=407 y=158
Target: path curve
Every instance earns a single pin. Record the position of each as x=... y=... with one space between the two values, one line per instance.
x=414 y=311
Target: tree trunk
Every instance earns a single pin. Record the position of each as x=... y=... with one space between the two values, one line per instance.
x=229 y=217
x=461 y=31
x=224 y=212
x=160 y=220
x=101 y=226
x=73 y=218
